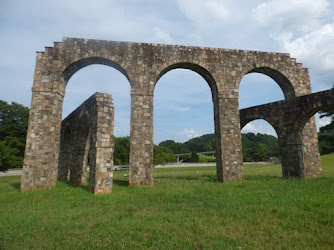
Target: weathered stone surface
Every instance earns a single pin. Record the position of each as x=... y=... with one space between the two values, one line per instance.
x=143 y=65
x=89 y=128
x=295 y=130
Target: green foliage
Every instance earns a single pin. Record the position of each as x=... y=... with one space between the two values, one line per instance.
x=206 y=158
x=163 y=155
x=122 y=150
x=255 y=147
x=192 y=157
x=326 y=137
x=259 y=147
x=176 y=147
x=13 y=131
x=202 y=143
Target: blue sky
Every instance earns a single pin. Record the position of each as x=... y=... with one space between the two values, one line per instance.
x=182 y=103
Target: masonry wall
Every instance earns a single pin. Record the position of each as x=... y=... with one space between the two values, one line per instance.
x=88 y=132
x=290 y=119
x=143 y=65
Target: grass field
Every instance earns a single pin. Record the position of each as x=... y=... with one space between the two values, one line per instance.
x=185 y=209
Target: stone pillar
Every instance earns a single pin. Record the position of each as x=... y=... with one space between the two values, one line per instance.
x=141 y=139
x=102 y=148
x=40 y=165
x=228 y=136
x=311 y=150
x=291 y=153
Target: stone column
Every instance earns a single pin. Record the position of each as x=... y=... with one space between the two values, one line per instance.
x=40 y=165
x=311 y=150
x=102 y=147
x=291 y=153
x=228 y=136
x=141 y=138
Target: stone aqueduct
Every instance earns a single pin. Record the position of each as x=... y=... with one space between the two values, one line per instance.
x=143 y=65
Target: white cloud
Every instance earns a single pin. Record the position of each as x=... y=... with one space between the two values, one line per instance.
x=203 y=12
x=305 y=29
x=190 y=133
x=321 y=122
x=316 y=48
x=178 y=108
x=287 y=15
x=263 y=129
x=162 y=36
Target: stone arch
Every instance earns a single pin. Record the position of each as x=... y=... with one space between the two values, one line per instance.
x=275 y=74
x=217 y=104
x=72 y=68
x=193 y=67
x=244 y=122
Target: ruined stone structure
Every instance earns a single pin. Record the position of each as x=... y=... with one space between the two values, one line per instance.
x=143 y=65
x=288 y=118
x=88 y=133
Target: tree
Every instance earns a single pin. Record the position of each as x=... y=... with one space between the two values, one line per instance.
x=13 y=131
x=194 y=157
x=163 y=155
x=122 y=150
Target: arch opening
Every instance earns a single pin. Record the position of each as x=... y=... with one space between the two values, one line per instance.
x=261 y=144
x=105 y=79
x=196 y=68
x=282 y=81
x=76 y=66
x=183 y=111
x=257 y=89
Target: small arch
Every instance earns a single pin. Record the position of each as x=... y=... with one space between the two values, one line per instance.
x=278 y=77
x=259 y=144
x=244 y=122
x=196 y=68
x=77 y=65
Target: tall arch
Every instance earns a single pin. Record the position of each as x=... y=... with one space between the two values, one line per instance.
x=193 y=67
x=70 y=70
x=208 y=77
x=282 y=81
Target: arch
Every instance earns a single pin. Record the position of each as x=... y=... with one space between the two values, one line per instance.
x=196 y=68
x=77 y=65
x=282 y=81
x=243 y=123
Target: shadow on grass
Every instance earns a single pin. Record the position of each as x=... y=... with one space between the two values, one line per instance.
x=213 y=178
x=16 y=185
x=210 y=178
x=83 y=187
x=262 y=177
x=123 y=183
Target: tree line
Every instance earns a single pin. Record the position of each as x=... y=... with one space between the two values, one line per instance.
x=14 y=123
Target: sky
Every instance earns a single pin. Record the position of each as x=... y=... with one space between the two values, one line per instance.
x=182 y=100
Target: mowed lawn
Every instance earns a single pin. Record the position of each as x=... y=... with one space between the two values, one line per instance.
x=185 y=209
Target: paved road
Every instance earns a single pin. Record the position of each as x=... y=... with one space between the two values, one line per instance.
x=11 y=172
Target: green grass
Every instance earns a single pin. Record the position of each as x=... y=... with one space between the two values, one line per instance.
x=185 y=209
